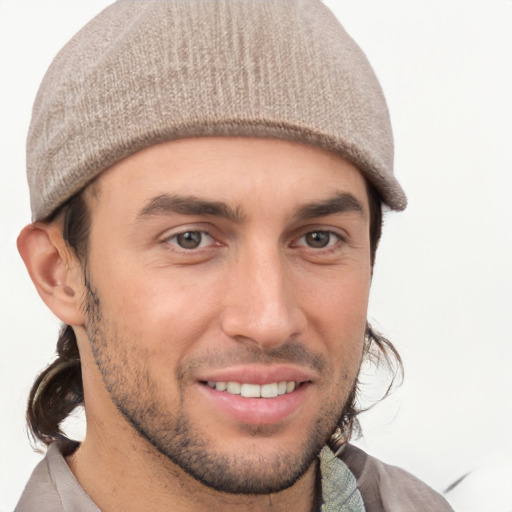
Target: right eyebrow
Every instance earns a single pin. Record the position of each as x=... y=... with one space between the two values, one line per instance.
x=165 y=204
x=342 y=202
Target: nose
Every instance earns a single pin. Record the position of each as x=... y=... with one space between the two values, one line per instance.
x=261 y=303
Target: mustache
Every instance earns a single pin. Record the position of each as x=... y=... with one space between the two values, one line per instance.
x=290 y=352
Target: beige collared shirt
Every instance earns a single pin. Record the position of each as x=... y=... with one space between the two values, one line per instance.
x=357 y=483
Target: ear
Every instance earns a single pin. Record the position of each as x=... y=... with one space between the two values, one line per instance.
x=54 y=270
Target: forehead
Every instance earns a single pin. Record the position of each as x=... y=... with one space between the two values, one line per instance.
x=247 y=172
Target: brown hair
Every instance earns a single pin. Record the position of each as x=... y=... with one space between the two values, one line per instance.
x=58 y=389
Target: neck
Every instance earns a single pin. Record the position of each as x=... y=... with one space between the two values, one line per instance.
x=135 y=477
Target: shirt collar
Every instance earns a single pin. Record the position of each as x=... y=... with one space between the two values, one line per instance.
x=339 y=485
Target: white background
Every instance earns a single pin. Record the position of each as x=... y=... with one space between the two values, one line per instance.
x=443 y=281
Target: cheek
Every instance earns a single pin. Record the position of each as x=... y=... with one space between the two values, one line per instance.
x=159 y=306
x=337 y=310
x=339 y=299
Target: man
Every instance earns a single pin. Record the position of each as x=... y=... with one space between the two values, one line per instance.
x=206 y=186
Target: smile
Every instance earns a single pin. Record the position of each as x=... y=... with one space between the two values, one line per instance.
x=248 y=390
x=256 y=395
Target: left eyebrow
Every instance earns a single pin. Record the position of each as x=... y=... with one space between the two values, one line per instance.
x=341 y=203
x=166 y=204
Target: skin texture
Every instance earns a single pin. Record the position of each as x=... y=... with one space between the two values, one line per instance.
x=258 y=298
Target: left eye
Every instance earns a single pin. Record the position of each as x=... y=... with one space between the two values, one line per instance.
x=191 y=240
x=318 y=239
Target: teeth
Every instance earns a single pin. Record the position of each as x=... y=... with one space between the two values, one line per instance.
x=234 y=388
x=269 y=390
x=254 y=390
x=250 y=390
x=220 y=386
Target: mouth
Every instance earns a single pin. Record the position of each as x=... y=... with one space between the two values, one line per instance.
x=249 y=390
x=256 y=395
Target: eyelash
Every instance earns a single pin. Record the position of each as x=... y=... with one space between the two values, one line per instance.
x=202 y=234
x=334 y=240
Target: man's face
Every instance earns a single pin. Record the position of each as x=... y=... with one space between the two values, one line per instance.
x=231 y=263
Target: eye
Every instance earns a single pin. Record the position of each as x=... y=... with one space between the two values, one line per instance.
x=318 y=239
x=191 y=240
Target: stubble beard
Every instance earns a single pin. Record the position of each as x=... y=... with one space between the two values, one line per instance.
x=134 y=392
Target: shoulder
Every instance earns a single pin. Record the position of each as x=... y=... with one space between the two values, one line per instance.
x=386 y=488
x=53 y=487
x=40 y=493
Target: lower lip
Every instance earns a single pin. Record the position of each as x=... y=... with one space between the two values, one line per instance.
x=257 y=411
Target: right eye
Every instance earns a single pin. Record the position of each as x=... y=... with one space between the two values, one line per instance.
x=190 y=240
x=318 y=239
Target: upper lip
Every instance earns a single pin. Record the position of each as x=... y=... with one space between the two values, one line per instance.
x=258 y=374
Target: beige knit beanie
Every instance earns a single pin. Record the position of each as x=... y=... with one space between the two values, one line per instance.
x=147 y=71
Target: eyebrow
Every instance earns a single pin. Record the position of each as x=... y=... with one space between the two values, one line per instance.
x=165 y=204
x=342 y=202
